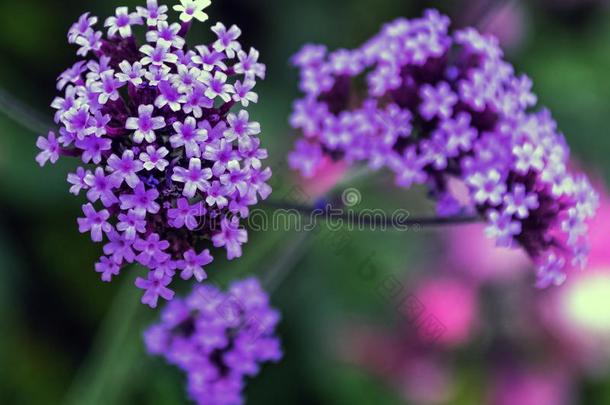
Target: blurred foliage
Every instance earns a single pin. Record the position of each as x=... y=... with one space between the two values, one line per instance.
x=66 y=336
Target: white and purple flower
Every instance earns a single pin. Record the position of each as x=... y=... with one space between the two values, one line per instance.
x=166 y=155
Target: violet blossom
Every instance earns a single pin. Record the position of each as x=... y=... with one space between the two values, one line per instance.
x=217 y=338
x=171 y=166
x=439 y=106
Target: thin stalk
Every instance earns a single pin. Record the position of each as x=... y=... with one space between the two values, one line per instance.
x=22 y=114
x=114 y=355
x=373 y=220
x=292 y=253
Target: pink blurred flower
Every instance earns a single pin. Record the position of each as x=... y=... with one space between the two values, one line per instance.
x=527 y=387
x=325 y=179
x=374 y=349
x=426 y=380
x=506 y=22
x=417 y=372
x=473 y=254
x=453 y=303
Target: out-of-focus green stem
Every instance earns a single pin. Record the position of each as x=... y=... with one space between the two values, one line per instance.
x=116 y=351
x=22 y=114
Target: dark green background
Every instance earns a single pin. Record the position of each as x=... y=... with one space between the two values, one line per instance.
x=66 y=336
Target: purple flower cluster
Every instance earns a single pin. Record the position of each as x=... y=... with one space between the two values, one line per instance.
x=217 y=339
x=172 y=171
x=437 y=106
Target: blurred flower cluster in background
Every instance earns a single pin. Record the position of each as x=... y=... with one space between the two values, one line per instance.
x=426 y=316
x=534 y=347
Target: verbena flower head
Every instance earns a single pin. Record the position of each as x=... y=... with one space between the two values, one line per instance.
x=439 y=105
x=172 y=168
x=218 y=339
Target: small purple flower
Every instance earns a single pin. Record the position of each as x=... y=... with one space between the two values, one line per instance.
x=131 y=224
x=166 y=33
x=306 y=158
x=240 y=203
x=196 y=101
x=108 y=87
x=459 y=134
x=236 y=179
x=307 y=116
x=248 y=64
x=81 y=27
x=437 y=101
x=141 y=201
x=101 y=187
x=119 y=248
x=551 y=272
x=155 y=288
x=91 y=41
x=49 y=149
x=227 y=39
x=145 y=124
x=153 y=13
x=151 y=248
x=259 y=179
x=209 y=59
x=243 y=92
x=131 y=73
x=108 y=268
x=408 y=168
x=231 y=237
x=194 y=178
x=185 y=214
x=488 y=187
x=121 y=23
x=154 y=158
x=78 y=121
x=156 y=74
x=502 y=228
x=217 y=195
x=252 y=153
x=193 y=263
x=190 y=9
x=66 y=139
x=188 y=135
x=186 y=79
x=93 y=148
x=528 y=157
x=240 y=126
x=519 y=202
x=71 y=75
x=216 y=86
x=94 y=222
x=160 y=55
x=346 y=62
x=169 y=96
x=221 y=153
x=125 y=168
x=100 y=122
x=78 y=180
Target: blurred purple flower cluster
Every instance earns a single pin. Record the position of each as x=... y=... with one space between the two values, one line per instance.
x=217 y=339
x=438 y=106
x=172 y=171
